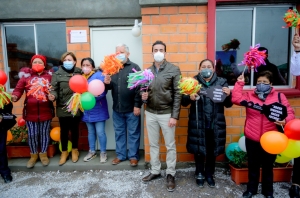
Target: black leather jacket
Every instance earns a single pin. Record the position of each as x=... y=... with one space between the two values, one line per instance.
x=164 y=95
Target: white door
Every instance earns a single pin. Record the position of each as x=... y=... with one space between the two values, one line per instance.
x=104 y=42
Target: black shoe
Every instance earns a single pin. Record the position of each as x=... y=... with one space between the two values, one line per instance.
x=294 y=191
x=248 y=194
x=200 y=180
x=7 y=178
x=150 y=177
x=170 y=183
x=269 y=196
x=211 y=182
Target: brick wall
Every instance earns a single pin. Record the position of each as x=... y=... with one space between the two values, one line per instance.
x=81 y=50
x=184 y=30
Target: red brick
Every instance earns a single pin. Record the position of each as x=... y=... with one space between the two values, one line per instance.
x=182 y=139
x=69 y=23
x=238 y=121
x=184 y=112
x=228 y=121
x=232 y=112
x=74 y=47
x=147 y=149
x=235 y=138
x=192 y=74
x=146 y=141
x=160 y=37
x=201 y=47
x=146 y=39
x=228 y=139
x=181 y=149
x=196 y=38
x=146 y=20
x=233 y=130
x=187 y=47
x=177 y=19
x=168 y=28
x=181 y=131
x=185 y=157
x=147 y=157
x=202 y=27
x=187 y=67
x=151 y=10
x=197 y=18
x=82 y=54
x=162 y=148
x=147 y=48
x=196 y=57
x=160 y=19
x=183 y=122
x=86 y=46
x=83 y=22
x=162 y=157
x=187 y=28
x=168 y=10
x=172 y=48
x=177 y=57
x=201 y=9
x=148 y=58
x=150 y=29
x=187 y=9
x=178 y=38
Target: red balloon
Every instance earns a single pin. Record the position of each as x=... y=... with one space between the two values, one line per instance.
x=78 y=84
x=21 y=122
x=3 y=77
x=292 y=129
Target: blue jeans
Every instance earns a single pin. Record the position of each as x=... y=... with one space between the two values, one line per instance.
x=123 y=123
x=99 y=129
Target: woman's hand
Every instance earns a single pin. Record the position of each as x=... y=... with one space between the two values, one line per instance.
x=226 y=90
x=51 y=97
x=281 y=123
x=194 y=96
x=241 y=78
x=107 y=79
x=14 y=98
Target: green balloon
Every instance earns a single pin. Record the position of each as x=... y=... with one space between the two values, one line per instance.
x=281 y=159
x=88 y=101
x=292 y=150
x=241 y=135
x=69 y=146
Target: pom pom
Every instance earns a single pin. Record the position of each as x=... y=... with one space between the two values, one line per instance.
x=188 y=85
x=111 y=65
x=292 y=18
x=254 y=57
x=5 y=98
x=39 y=88
x=140 y=78
x=74 y=104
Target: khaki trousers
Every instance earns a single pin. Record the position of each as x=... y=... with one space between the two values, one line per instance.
x=154 y=122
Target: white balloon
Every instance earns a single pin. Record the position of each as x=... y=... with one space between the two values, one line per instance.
x=242 y=143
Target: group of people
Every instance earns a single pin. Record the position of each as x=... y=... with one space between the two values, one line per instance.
x=163 y=99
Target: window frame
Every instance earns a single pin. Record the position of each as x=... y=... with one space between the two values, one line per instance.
x=4 y=45
x=211 y=35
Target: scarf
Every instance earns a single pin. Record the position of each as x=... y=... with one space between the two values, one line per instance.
x=88 y=75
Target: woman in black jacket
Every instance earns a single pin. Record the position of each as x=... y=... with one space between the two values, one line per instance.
x=206 y=126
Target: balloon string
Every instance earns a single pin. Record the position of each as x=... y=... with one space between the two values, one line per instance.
x=282 y=127
x=288 y=164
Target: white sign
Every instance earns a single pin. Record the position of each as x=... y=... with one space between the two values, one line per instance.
x=78 y=36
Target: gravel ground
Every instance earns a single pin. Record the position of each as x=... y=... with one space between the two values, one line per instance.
x=121 y=184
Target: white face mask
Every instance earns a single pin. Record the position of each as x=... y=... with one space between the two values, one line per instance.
x=86 y=70
x=159 y=56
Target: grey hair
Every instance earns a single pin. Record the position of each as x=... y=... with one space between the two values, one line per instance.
x=123 y=45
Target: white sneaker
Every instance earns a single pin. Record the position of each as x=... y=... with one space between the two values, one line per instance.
x=103 y=157
x=91 y=155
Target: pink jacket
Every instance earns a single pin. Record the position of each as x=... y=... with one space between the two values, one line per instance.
x=257 y=124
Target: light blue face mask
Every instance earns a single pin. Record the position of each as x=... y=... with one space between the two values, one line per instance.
x=121 y=57
x=68 y=65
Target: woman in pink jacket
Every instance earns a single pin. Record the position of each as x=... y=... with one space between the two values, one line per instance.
x=256 y=125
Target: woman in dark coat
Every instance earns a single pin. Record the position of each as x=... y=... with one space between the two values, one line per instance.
x=207 y=136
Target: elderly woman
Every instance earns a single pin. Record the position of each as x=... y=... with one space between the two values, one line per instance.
x=96 y=117
x=62 y=93
x=207 y=131
x=255 y=126
x=36 y=112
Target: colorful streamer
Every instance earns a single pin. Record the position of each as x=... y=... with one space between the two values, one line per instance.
x=188 y=85
x=5 y=98
x=140 y=78
x=292 y=18
x=254 y=57
x=39 y=88
x=74 y=104
x=111 y=65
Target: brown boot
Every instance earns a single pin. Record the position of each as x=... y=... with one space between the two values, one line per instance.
x=44 y=159
x=75 y=155
x=63 y=157
x=32 y=160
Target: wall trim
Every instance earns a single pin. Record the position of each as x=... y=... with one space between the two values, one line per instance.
x=161 y=3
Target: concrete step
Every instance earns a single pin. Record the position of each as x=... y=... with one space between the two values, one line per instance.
x=19 y=164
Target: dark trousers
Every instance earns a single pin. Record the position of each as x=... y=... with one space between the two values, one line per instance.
x=4 y=170
x=258 y=157
x=207 y=169
x=69 y=124
x=296 y=171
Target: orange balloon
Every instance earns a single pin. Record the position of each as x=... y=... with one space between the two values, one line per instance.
x=55 y=134
x=9 y=136
x=274 y=142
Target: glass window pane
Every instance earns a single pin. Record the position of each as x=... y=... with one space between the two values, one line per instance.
x=270 y=34
x=232 y=24
x=20 y=48
x=51 y=40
